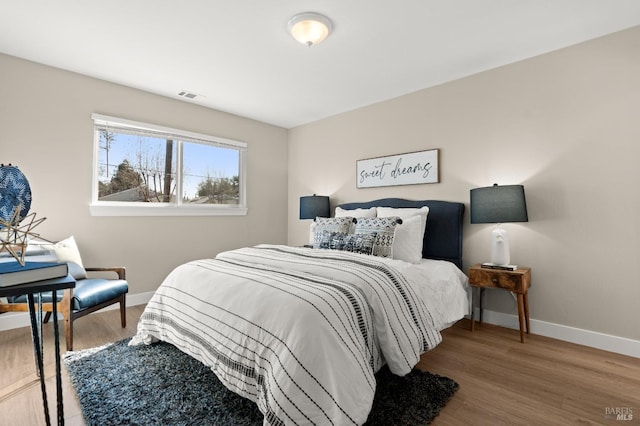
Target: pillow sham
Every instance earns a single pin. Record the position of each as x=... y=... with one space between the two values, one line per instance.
x=405 y=213
x=332 y=224
x=407 y=241
x=357 y=213
x=384 y=228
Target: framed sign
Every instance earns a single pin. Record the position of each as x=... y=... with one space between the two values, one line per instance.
x=402 y=169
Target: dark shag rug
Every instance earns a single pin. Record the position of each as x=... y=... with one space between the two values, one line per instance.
x=158 y=384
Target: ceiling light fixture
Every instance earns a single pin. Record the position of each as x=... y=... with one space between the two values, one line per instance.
x=309 y=28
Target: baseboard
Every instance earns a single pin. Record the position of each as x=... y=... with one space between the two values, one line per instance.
x=621 y=345
x=11 y=320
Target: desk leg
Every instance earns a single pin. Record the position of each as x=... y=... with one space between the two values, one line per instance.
x=37 y=326
x=56 y=339
x=473 y=309
x=521 y=316
x=38 y=353
x=480 y=306
x=526 y=311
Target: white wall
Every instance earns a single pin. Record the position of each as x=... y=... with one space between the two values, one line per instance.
x=47 y=131
x=565 y=125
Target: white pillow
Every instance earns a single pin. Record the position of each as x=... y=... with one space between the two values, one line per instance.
x=340 y=212
x=357 y=213
x=407 y=241
x=406 y=213
x=67 y=251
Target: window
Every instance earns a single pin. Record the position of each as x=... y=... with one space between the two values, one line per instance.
x=146 y=170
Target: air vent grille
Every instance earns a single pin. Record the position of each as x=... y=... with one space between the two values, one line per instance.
x=189 y=95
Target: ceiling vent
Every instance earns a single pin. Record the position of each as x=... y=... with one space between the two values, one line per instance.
x=187 y=95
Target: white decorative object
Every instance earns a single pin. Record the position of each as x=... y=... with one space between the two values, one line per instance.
x=16 y=223
x=500 y=246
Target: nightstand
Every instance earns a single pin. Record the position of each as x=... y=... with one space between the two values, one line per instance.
x=517 y=281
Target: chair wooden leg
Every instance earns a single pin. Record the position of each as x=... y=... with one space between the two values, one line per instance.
x=47 y=316
x=123 y=310
x=64 y=307
x=68 y=332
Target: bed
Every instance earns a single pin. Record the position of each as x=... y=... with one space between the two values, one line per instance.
x=302 y=331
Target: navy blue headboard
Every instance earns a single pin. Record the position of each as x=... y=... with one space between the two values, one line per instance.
x=443 y=236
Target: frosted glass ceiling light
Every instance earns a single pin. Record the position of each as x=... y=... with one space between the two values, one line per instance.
x=309 y=28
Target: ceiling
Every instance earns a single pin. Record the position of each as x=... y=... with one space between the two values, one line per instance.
x=237 y=57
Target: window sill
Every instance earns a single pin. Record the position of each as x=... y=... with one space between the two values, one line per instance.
x=165 y=210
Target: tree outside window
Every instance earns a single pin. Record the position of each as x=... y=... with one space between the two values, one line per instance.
x=138 y=164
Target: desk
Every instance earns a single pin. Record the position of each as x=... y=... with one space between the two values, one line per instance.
x=30 y=289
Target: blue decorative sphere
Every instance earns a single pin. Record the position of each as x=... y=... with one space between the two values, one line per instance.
x=14 y=191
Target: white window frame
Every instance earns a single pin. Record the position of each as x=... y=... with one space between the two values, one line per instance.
x=178 y=208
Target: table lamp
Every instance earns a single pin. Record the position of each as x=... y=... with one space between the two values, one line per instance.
x=499 y=204
x=312 y=206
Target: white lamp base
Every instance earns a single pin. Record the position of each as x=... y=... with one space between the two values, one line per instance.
x=500 y=246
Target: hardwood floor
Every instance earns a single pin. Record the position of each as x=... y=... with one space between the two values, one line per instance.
x=502 y=381
x=540 y=382
x=20 y=397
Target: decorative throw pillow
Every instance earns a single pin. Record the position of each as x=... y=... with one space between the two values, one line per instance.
x=354 y=243
x=384 y=228
x=67 y=251
x=406 y=213
x=332 y=240
x=407 y=241
x=359 y=243
x=332 y=224
x=357 y=213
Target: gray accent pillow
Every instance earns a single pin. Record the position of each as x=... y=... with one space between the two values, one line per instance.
x=384 y=230
x=332 y=240
x=359 y=243
x=355 y=243
x=331 y=224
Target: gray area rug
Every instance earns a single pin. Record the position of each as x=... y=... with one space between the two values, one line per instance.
x=158 y=384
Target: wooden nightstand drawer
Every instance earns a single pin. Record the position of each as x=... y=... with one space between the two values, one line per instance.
x=516 y=281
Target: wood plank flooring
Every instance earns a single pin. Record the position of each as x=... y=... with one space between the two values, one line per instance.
x=502 y=382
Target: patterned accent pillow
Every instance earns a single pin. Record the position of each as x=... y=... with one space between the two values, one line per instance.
x=331 y=224
x=384 y=229
x=332 y=240
x=359 y=243
x=354 y=243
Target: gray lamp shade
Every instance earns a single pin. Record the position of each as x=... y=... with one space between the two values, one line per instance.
x=313 y=206
x=498 y=204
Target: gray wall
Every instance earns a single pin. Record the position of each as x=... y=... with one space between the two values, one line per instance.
x=565 y=125
x=46 y=130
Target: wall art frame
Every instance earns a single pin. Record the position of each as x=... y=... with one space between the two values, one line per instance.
x=411 y=168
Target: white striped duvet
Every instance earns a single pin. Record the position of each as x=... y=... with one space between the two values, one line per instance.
x=300 y=332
